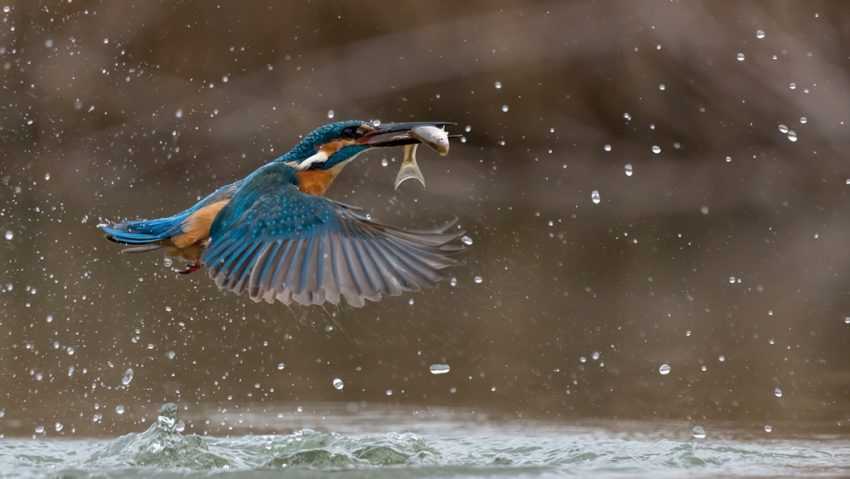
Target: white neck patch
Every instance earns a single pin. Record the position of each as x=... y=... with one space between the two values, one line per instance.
x=319 y=157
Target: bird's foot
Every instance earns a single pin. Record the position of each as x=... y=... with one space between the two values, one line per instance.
x=191 y=267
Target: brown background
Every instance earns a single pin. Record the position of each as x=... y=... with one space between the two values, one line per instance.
x=89 y=95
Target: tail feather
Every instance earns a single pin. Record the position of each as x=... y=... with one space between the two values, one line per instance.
x=140 y=232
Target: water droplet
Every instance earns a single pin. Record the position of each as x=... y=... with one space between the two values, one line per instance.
x=170 y=355
x=728 y=159
x=792 y=86
x=498 y=85
x=505 y=108
x=411 y=301
x=467 y=128
x=662 y=86
x=664 y=369
x=740 y=57
x=594 y=197
x=698 y=432
x=466 y=240
x=9 y=235
x=39 y=429
x=119 y=409
x=7 y=9
x=385 y=162
x=759 y=34
x=803 y=120
x=582 y=359
x=704 y=210
x=281 y=366
x=338 y=384
x=629 y=169
x=47 y=177
x=179 y=113
x=58 y=427
x=330 y=113
x=792 y=136
x=49 y=318
x=128 y=377
x=607 y=147
x=439 y=368
x=478 y=279
x=846 y=319
x=768 y=428
x=777 y=392
x=388 y=392
x=656 y=149
x=453 y=282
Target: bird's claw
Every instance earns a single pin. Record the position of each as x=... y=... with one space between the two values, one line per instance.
x=191 y=268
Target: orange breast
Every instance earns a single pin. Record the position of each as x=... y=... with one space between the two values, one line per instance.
x=315 y=182
x=197 y=226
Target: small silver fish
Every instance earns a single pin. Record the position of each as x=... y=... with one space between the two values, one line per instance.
x=409 y=169
x=436 y=138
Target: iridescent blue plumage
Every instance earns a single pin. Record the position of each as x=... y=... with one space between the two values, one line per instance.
x=280 y=244
x=266 y=235
x=320 y=136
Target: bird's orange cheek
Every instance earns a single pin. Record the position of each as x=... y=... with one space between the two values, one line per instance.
x=334 y=146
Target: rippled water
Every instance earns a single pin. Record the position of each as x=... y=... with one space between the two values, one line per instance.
x=494 y=451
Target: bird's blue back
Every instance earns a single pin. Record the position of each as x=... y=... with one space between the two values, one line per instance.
x=269 y=204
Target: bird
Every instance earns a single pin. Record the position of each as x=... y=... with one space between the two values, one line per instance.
x=274 y=236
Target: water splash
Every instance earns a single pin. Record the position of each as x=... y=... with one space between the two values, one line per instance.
x=448 y=451
x=160 y=445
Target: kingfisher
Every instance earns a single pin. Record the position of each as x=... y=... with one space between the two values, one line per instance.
x=274 y=236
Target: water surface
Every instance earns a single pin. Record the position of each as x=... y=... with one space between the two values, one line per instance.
x=444 y=450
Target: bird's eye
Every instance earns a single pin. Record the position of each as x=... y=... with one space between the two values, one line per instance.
x=350 y=133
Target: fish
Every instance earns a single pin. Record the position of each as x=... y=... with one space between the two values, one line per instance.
x=436 y=138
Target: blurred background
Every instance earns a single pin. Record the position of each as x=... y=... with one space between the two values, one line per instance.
x=656 y=191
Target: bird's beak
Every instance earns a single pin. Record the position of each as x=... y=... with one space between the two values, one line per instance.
x=396 y=134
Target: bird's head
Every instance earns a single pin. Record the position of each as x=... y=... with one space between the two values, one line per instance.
x=336 y=143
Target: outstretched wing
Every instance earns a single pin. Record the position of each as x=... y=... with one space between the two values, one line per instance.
x=277 y=243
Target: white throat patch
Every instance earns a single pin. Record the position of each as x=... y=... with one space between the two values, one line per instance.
x=319 y=157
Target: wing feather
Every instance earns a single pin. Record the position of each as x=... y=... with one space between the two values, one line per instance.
x=280 y=244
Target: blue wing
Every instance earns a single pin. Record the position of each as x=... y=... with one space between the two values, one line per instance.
x=277 y=243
